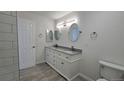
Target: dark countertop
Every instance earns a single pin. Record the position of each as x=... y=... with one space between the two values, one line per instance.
x=66 y=50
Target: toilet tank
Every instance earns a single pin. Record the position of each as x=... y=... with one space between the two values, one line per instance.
x=111 y=71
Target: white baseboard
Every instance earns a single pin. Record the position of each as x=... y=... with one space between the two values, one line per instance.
x=79 y=74
x=39 y=61
x=86 y=77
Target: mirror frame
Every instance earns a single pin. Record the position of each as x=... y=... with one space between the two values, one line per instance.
x=48 y=38
x=73 y=27
x=57 y=34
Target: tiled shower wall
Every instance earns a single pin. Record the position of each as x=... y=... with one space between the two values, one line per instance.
x=8 y=46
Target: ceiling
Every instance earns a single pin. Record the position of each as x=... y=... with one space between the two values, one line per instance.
x=52 y=14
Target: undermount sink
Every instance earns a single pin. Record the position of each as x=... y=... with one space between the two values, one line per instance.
x=69 y=51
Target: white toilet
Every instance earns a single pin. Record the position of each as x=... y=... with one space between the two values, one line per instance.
x=110 y=71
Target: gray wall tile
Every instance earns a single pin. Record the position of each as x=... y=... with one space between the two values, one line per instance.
x=8 y=46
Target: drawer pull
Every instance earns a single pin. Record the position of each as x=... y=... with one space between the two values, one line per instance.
x=67 y=57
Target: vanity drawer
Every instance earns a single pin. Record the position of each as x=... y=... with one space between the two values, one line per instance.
x=66 y=56
x=71 y=57
x=47 y=50
x=75 y=57
x=53 y=51
x=60 y=54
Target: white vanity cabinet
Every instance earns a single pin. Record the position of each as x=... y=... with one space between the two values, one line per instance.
x=65 y=64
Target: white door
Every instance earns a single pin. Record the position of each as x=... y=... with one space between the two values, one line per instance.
x=26 y=40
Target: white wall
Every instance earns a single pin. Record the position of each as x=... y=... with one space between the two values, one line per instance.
x=41 y=23
x=108 y=45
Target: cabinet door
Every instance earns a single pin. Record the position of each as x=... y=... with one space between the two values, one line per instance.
x=50 y=59
x=47 y=56
x=53 y=61
x=62 y=65
x=68 y=69
x=65 y=67
x=58 y=63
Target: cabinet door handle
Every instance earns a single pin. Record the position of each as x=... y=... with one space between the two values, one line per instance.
x=62 y=63
x=33 y=46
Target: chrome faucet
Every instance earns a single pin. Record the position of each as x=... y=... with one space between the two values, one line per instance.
x=72 y=48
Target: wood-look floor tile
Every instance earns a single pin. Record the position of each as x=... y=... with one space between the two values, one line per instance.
x=41 y=72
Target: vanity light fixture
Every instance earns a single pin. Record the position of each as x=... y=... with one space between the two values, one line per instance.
x=47 y=31
x=60 y=25
x=68 y=22
x=71 y=21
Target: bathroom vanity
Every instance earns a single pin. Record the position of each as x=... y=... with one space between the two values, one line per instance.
x=64 y=60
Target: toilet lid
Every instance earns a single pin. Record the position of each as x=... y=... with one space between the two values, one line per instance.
x=101 y=79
